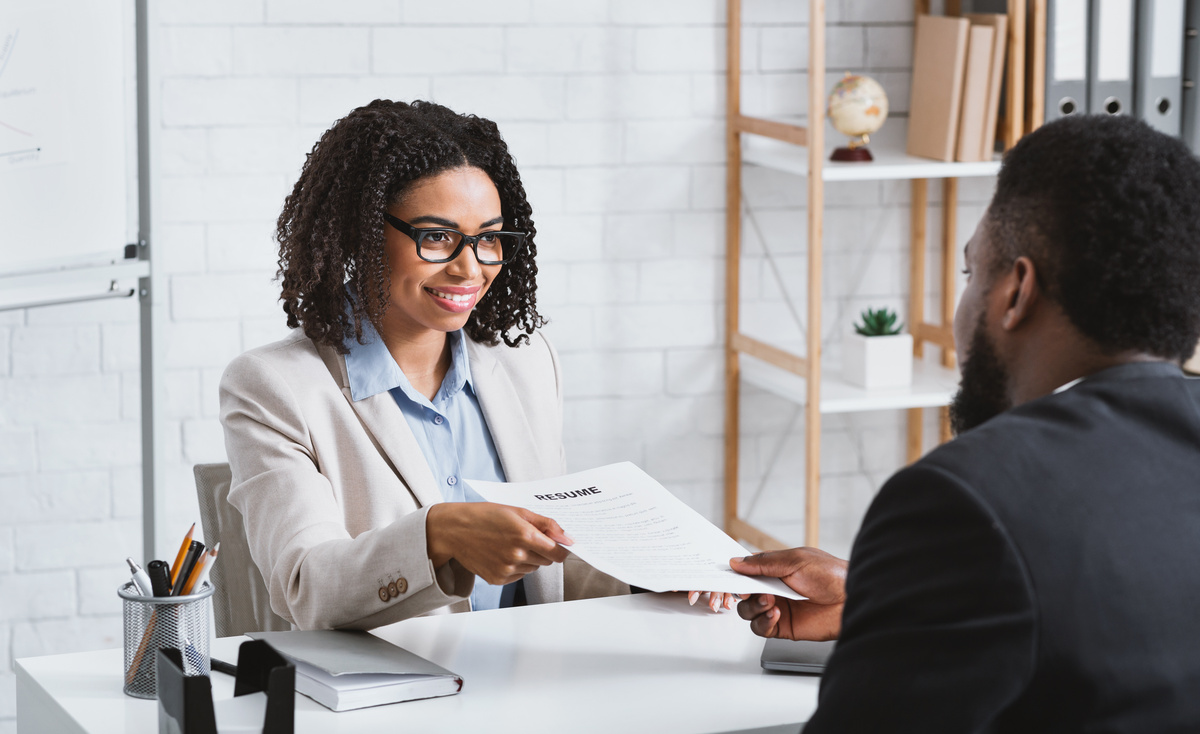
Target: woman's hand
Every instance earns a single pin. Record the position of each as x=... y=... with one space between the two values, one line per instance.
x=496 y=542
x=717 y=600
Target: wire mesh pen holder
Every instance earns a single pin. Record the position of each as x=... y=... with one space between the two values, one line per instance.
x=179 y=622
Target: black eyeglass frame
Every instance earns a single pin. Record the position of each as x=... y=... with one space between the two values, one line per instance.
x=416 y=234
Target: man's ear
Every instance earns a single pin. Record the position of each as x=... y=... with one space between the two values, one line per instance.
x=1021 y=292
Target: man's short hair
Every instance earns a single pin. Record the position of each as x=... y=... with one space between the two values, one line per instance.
x=1108 y=209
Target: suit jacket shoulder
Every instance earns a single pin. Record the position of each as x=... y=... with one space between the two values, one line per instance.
x=939 y=631
x=1039 y=570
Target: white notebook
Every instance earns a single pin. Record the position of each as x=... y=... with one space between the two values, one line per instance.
x=342 y=669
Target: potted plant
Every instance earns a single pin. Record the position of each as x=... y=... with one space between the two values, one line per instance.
x=878 y=355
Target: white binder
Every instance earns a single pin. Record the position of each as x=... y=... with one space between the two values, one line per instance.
x=1066 y=58
x=1110 y=57
x=1159 y=82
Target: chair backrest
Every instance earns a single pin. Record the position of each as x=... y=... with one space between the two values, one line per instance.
x=241 y=602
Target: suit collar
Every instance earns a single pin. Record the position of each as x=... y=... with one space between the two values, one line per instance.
x=498 y=399
x=1136 y=371
x=505 y=416
x=389 y=431
x=371 y=368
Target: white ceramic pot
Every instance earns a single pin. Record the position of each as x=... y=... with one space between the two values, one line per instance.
x=878 y=362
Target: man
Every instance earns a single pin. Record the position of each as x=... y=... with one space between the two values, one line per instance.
x=1041 y=572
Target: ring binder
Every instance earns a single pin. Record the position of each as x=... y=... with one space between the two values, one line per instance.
x=1110 y=57
x=1191 y=76
x=1066 y=58
x=1159 y=84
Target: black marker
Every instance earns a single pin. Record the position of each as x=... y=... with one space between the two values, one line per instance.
x=160 y=577
x=195 y=550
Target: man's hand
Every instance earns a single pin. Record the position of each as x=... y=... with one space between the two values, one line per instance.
x=808 y=571
x=496 y=542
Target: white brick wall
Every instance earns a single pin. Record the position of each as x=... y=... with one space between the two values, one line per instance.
x=614 y=110
x=7 y=557
x=55 y=350
x=64 y=496
x=344 y=12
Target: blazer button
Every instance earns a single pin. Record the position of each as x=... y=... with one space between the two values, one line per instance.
x=402 y=584
x=392 y=590
x=383 y=593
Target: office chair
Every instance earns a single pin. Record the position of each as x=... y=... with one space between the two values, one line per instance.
x=241 y=602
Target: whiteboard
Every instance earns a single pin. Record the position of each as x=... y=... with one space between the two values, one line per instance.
x=66 y=130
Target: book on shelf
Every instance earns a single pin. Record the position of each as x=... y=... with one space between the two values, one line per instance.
x=957 y=80
x=995 y=81
x=939 y=61
x=972 y=117
x=343 y=669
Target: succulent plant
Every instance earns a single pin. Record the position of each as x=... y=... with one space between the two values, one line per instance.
x=878 y=322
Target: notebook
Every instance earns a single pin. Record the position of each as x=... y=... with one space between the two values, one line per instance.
x=796 y=656
x=343 y=670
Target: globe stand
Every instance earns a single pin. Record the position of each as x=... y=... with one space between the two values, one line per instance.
x=852 y=155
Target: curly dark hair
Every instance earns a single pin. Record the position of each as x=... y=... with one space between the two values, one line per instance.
x=331 y=231
x=1108 y=209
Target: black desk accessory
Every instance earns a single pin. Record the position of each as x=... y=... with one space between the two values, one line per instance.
x=185 y=704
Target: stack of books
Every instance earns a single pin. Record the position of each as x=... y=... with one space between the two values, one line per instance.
x=958 y=71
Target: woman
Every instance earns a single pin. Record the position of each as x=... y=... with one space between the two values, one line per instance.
x=407 y=256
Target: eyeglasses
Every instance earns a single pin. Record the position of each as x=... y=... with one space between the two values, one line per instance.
x=441 y=245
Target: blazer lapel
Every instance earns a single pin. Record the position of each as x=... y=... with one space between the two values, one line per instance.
x=385 y=424
x=509 y=426
x=505 y=417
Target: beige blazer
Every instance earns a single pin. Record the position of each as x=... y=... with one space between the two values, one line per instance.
x=334 y=492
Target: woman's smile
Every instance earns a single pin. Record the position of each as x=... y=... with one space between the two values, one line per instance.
x=456 y=299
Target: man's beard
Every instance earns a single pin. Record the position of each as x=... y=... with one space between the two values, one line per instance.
x=983 y=392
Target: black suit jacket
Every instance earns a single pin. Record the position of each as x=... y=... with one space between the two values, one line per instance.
x=1040 y=573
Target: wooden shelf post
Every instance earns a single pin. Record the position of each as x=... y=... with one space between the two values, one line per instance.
x=733 y=258
x=816 y=209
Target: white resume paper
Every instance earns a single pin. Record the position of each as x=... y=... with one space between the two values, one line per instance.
x=629 y=526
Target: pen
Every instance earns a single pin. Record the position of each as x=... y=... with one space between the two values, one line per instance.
x=140 y=579
x=195 y=550
x=199 y=574
x=179 y=557
x=160 y=578
x=193 y=655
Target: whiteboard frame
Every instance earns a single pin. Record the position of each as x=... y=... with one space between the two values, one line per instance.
x=151 y=297
x=96 y=277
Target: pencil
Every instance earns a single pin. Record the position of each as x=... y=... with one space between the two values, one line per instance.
x=194 y=554
x=200 y=572
x=183 y=549
x=136 y=665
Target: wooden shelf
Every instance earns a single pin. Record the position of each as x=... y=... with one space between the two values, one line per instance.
x=891 y=162
x=932 y=387
x=785 y=145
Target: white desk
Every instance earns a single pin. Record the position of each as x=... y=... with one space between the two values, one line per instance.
x=644 y=663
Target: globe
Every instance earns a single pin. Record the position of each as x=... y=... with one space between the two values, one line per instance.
x=858 y=107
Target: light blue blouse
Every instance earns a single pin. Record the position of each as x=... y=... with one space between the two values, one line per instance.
x=450 y=429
